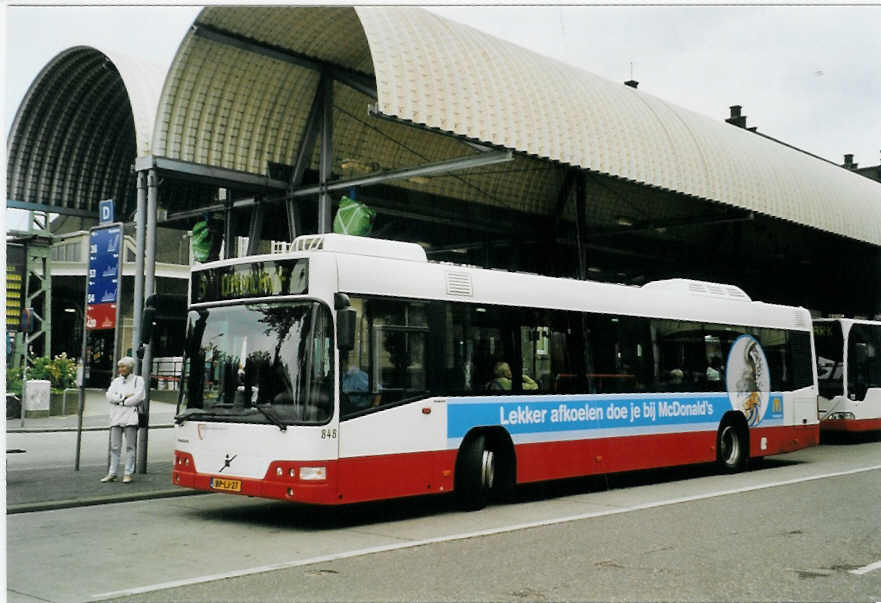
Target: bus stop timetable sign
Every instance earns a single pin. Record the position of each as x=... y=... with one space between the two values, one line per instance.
x=102 y=292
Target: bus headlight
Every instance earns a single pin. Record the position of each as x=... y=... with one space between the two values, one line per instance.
x=313 y=473
x=837 y=416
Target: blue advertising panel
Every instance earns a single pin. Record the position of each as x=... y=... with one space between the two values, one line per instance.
x=103 y=280
x=599 y=415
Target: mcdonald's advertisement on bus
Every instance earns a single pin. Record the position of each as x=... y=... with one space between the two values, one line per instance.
x=605 y=415
x=600 y=415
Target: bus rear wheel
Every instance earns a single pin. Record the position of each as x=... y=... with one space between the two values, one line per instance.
x=732 y=448
x=475 y=474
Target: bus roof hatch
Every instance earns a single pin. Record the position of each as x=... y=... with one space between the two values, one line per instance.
x=338 y=243
x=684 y=285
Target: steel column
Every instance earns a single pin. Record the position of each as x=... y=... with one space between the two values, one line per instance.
x=255 y=229
x=229 y=243
x=580 y=226
x=304 y=156
x=326 y=164
x=149 y=289
x=140 y=232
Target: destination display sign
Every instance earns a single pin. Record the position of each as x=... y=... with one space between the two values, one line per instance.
x=15 y=267
x=102 y=290
x=258 y=279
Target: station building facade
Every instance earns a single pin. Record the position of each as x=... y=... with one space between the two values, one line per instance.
x=483 y=152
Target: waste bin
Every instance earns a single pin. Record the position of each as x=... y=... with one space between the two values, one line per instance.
x=13 y=406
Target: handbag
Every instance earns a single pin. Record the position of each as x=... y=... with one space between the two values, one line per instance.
x=143 y=417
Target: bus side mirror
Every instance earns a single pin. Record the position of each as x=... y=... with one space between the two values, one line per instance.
x=346 y=320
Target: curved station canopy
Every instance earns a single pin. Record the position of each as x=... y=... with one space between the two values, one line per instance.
x=81 y=124
x=237 y=98
x=456 y=138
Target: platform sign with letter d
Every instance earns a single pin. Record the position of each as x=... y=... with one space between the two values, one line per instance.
x=105 y=211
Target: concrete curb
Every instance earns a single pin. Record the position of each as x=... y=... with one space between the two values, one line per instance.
x=97 y=500
x=58 y=429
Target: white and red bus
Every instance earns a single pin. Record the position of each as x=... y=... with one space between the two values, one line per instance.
x=849 y=374
x=352 y=369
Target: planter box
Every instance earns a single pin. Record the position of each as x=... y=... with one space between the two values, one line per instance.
x=56 y=406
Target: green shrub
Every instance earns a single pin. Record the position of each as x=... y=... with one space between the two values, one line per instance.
x=62 y=372
x=13 y=381
x=59 y=371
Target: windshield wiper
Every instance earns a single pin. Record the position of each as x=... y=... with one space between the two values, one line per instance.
x=193 y=412
x=270 y=414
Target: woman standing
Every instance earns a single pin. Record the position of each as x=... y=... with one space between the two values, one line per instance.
x=124 y=394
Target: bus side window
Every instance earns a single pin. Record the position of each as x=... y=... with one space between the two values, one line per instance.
x=863 y=360
x=534 y=344
x=398 y=349
x=620 y=350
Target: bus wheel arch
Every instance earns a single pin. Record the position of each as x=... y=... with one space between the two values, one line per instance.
x=732 y=442
x=486 y=467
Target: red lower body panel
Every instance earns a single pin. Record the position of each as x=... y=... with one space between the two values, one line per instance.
x=851 y=425
x=555 y=460
x=378 y=477
x=782 y=439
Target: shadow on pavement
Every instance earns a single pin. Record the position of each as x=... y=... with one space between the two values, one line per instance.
x=287 y=515
x=45 y=489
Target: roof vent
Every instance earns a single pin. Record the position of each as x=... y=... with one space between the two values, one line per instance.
x=308 y=243
x=683 y=285
x=380 y=248
x=459 y=283
x=736 y=119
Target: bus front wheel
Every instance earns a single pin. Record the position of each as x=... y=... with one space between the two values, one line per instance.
x=475 y=474
x=732 y=447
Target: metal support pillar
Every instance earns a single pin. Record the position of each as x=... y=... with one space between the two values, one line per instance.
x=304 y=156
x=255 y=229
x=37 y=284
x=580 y=226
x=326 y=164
x=551 y=240
x=149 y=289
x=581 y=248
x=229 y=236
x=140 y=233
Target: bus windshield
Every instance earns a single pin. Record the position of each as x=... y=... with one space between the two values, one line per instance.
x=259 y=363
x=829 y=342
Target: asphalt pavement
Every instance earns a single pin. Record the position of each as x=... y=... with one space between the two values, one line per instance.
x=40 y=474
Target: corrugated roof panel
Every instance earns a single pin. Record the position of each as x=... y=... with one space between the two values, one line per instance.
x=551 y=110
x=236 y=109
x=83 y=121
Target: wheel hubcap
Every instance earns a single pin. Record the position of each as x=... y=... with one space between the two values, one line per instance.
x=488 y=468
x=730 y=445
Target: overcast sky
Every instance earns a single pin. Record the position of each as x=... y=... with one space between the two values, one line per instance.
x=808 y=75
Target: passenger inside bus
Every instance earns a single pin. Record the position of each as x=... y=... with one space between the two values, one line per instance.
x=714 y=370
x=502 y=380
x=356 y=389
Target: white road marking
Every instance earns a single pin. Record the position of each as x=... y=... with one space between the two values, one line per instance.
x=866 y=569
x=480 y=533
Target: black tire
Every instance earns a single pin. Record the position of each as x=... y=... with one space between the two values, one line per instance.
x=732 y=447
x=475 y=474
